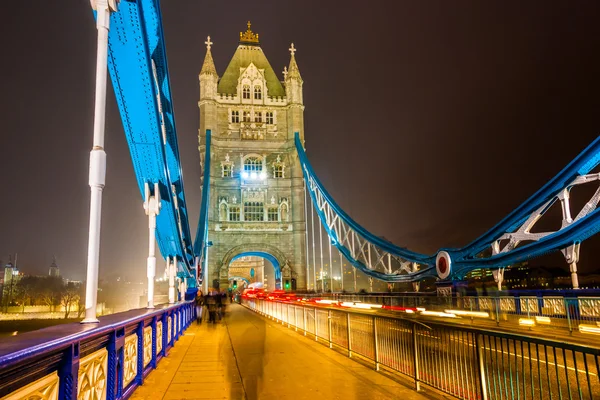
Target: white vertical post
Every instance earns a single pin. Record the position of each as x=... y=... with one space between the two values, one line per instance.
x=172 y=281
x=330 y=266
x=321 y=250
x=312 y=217
x=152 y=208
x=97 y=172
x=574 y=278
x=341 y=270
x=306 y=231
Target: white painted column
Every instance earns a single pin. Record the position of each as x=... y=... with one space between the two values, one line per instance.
x=172 y=281
x=571 y=254
x=574 y=278
x=152 y=208
x=416 y=285
x=97 y=172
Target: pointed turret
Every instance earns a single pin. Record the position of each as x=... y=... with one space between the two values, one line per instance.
x=293 y=80
x=208 y=75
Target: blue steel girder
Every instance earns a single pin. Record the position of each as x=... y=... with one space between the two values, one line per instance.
x=368 y=252
x=138 y=69
x=201 y=241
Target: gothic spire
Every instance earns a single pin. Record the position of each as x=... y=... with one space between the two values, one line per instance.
x=293 y=72
x=208 y=67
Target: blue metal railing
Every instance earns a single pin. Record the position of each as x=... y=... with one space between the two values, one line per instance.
x=109 y=359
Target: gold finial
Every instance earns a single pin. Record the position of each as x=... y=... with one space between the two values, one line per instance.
x=248 y=36
x=292 y=49
x=208 y=43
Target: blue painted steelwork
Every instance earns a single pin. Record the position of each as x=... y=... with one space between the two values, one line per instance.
x=201 y=242
x=138 y=69
x=268 y=257
x=469 y=257
x=33 y=355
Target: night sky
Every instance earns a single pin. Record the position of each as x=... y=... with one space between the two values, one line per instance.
x=427 y=121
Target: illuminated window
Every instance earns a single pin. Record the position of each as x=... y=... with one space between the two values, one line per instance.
x=257 y=93
x=246 y=92
x=253 y=164
x=234 y=213
x=246 y=116
x=269 y=117
x=254 y=211
x=273 y=214
x=235 y=116
x=226 y=171
x=278 y=168
x=258 y=116
x=278 y=171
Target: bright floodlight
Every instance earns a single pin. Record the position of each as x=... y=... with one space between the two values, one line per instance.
x=253 y=175
x=245 y=175
x=263 y=175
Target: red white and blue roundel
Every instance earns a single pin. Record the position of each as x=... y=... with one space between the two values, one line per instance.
x=443 y=265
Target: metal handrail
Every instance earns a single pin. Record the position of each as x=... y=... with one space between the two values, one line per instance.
x=465 y=362
x=121 y=350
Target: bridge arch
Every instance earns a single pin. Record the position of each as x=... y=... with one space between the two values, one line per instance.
x=271 y=253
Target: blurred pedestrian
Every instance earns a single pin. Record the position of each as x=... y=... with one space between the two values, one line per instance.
x=199 y=302
x=211 y=304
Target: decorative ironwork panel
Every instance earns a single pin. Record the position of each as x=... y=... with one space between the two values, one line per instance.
x=147 y=345
x=92 y=376
x=554 y=306
x=169 y=329
x=159 y=336
x=130 y=359
x=45 y=388
x=469 y=303
x=507 y=304
x=529 y=304
x=485 y=303
x=589 y=307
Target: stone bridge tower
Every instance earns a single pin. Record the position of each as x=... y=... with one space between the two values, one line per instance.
x=257 y=190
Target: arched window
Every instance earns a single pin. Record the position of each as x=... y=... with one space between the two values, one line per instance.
x=253 y=164
x=246 y=116
x=257 y=116
x=246 y=92
x=257 y=92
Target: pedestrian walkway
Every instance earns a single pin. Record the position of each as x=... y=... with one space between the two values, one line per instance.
x=247 y=356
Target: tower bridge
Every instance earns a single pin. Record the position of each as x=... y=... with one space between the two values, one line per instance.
x=256 y=186
x=262 y=199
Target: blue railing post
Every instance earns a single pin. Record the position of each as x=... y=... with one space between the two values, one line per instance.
x=119 y=353
x=112 y=379
x=68 y=373
x=165 y=329
x=154 y=342
x=139 y=378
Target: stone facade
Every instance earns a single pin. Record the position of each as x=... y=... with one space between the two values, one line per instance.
x=256 y=186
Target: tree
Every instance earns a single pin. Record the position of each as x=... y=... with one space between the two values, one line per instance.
x=50 y=292
x=26 y=289
x=69 y=297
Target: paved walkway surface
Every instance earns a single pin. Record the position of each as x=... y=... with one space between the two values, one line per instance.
x=247 y=356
